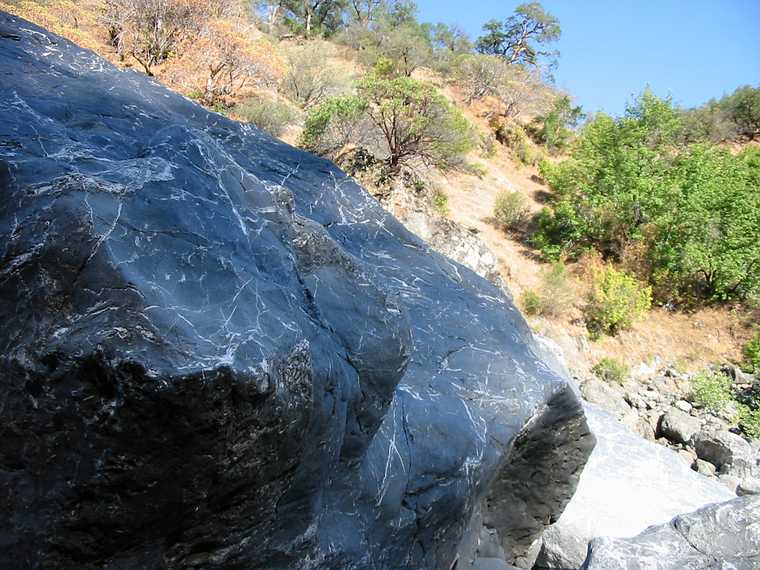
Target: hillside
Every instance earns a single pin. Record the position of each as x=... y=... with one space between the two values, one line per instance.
x=686 y=339
x=317 y=285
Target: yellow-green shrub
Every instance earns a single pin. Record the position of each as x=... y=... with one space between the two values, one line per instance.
x=615 y=302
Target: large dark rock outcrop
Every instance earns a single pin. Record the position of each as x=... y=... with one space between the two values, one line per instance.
x=217 y=351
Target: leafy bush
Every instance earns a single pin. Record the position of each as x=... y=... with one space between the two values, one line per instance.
x=532 y=303
x=695 y=210
x=711 y=390
x=554 y=295
x=415 y=121
x=440 y=202
x=610 y=370
x=553 y=128
x=615 y=302
x=751 y=352
x=402 y=119
x=510 y=210
x=333 y=124
x=270 y=116
x=749 y=421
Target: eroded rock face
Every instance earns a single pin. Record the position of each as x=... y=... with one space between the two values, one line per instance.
x=722 y=536
x=219 y=352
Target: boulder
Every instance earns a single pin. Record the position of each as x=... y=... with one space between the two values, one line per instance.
x=609 y=397
x=677 y=426
x=683 y=405
x=217 y=351
x=748 y=486
x=722 y=448
x=704 y=468
x=725 y=535
x=627 y=485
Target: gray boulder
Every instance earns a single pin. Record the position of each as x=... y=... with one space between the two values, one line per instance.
x=724 y=536
x=723 y=449
x=678 y=426
x=704 y=468
x=627 y=485
x=218 y=351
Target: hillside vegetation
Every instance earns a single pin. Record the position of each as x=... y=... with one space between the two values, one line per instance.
x=641 y=232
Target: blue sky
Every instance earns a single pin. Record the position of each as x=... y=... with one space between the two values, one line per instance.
x=612 y=49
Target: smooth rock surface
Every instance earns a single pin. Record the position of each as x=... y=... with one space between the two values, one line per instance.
x=725 y=536
x=678 y=426
x=628 y=485
x=722 y=448
x=217 y=351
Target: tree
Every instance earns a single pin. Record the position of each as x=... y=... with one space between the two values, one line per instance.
x=365 y=11
x=516 y=88
x=692 y=212
x=416 y=122
x=743 y=107
x=152 y=30
x=518 y=39
x=231 y=61
x=309 y=78
x=406 y=121
x=303 y=17
x=553 y=128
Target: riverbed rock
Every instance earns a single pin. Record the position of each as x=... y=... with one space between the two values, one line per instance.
x=723 y=449
x=217 y=351
x=628 y=485
x=720 y=536
x=678 y=426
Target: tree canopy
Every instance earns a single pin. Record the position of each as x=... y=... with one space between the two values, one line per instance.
x=520 y=38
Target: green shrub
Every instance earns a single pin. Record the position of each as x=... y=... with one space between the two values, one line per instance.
x=415 y=122
x=532 y=303
x=711 y=390
x=510 y=210
x=615 y=302
x=553 y=297
x=751 y=352
x=333 y=124
x=610 y=370
x=749 y=421
x=553 y=128
x=694 y=210
x=270 y=116
x=440 y=202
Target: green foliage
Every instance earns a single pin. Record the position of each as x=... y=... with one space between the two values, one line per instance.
x=440 y=202
x=554 y=295
x=270 y=116
x=415 y=122
x=751 y=353
x=514 y=136
x=312 y=18
x=519 y=38
x=333 y=124
x=510 y=210
x=554 y=128
x=711 y=390
x=749 y=421
x=610 y=370
x=695 y=210
x=616 y=300
x=403 y=119
x=743 y=107
x=733 y=117
x=532 y=303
